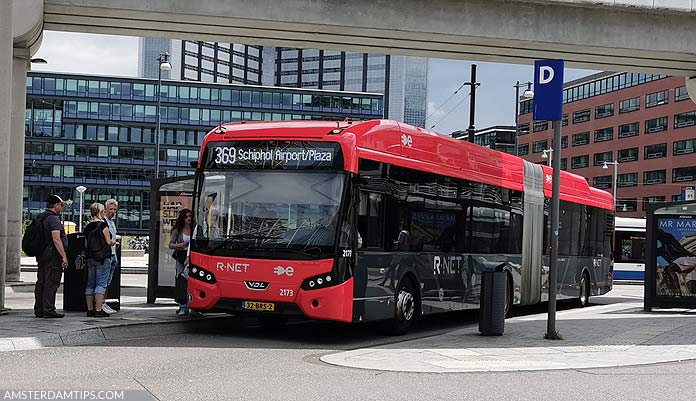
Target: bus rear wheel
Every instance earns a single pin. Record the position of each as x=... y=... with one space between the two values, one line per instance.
x=405 y=309
x=584 y=298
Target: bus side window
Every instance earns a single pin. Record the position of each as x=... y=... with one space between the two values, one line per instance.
x=370 y=219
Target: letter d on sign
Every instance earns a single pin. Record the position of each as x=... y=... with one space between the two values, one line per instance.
x=548 y=90
x=545 y=75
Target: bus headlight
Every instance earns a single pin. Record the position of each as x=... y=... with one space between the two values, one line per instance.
x=321 y=281
x=198 y=273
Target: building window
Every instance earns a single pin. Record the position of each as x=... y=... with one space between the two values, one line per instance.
x=656 y=125
x=523 y=129
x=655 y=151
x=684 y=174
x=564 y=142
x=564 y=120
x=604 y=134
x=657 y=98
x=629 y=105
x=564 y=163
x=526 y=107
x=540 y=146
x=603 y=111
x=627 y=180
x=523 y=149
x=541 y=125
x=580 y=139
x=580 y=161
x=628 y=155
x=680 y=94
x=684 y=147
x=652 y=199
x=627 y=205
x=602 y=182
x=654 y=177
x=600 y=158
x=581 y=116
x=628 y=130
x=685 y=119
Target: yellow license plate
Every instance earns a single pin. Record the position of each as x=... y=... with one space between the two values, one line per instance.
x=262 y=306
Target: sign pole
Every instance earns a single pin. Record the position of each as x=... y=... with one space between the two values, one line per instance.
x=548 y=105
x=551 y=332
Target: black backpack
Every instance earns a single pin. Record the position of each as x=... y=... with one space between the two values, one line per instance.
x=34 y=240
x=95 y=243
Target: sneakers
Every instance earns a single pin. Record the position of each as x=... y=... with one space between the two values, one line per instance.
x=100 y=313
x=106 y=308
x=90 y=313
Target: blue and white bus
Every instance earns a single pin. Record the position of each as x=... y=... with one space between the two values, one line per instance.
x=629 y=249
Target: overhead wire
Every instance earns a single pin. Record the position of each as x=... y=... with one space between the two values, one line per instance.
x=451 y=110
x=446 y=100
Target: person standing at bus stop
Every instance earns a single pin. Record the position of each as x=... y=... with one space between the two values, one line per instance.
x=52 y=261
x=111 y=211
x=179 y=242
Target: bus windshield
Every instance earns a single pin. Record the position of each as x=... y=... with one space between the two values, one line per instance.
x=268 y=214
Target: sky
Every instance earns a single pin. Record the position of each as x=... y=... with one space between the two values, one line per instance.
x=495 y=97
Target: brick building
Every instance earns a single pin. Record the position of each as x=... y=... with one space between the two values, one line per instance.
x=645 y=122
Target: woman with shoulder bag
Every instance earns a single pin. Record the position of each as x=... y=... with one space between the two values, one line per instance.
x=99 y=242
x=179 y=242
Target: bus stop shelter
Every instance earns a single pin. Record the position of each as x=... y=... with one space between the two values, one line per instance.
x=670 y=261
x=169 y=196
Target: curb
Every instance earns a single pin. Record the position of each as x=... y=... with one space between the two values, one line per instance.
x=100 y=335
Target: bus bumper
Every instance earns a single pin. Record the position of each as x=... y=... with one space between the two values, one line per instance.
x=330 y=303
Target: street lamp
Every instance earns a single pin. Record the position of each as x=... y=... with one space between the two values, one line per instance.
x=165 y=65
x=547 y=154
x=81 y=189
x=527 y=94
x=616 y=169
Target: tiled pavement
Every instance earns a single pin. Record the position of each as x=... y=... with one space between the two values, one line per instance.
x=599 y=336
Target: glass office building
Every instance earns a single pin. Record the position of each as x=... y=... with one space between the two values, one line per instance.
x=99 y=132
x=402 y=80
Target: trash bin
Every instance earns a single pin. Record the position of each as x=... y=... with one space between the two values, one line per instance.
x=75 y=276
x=493 y=298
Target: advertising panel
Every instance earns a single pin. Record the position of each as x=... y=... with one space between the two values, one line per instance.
x=675 y=254
x=171 y=202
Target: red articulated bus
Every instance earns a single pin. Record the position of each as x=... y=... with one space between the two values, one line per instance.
x=378 y=220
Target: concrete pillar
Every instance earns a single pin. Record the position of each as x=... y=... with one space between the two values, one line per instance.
x=6 y=39
x=20 y=65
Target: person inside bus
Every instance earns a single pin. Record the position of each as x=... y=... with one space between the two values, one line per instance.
x=402 y=243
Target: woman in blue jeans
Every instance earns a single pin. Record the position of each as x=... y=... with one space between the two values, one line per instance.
x=179 y=242
x=98 y=260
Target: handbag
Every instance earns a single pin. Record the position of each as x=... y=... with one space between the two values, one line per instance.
x=180 y=255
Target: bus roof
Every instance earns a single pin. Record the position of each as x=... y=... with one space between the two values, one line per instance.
x=412 y=147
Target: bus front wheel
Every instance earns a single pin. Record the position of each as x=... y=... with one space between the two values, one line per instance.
x=406 y=307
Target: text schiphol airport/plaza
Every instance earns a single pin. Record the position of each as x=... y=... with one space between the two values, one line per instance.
x=232 y=155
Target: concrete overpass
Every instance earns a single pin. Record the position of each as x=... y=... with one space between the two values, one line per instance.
x=618 y=35
x=657 y=36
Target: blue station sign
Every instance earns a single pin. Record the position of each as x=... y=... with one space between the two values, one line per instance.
x=548 y=90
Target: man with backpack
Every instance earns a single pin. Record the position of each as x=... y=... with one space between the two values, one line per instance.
x=49 y=243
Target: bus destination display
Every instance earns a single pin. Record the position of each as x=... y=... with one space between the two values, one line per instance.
x=279 y=155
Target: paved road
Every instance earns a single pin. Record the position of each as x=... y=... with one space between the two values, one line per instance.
x=247 y=362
